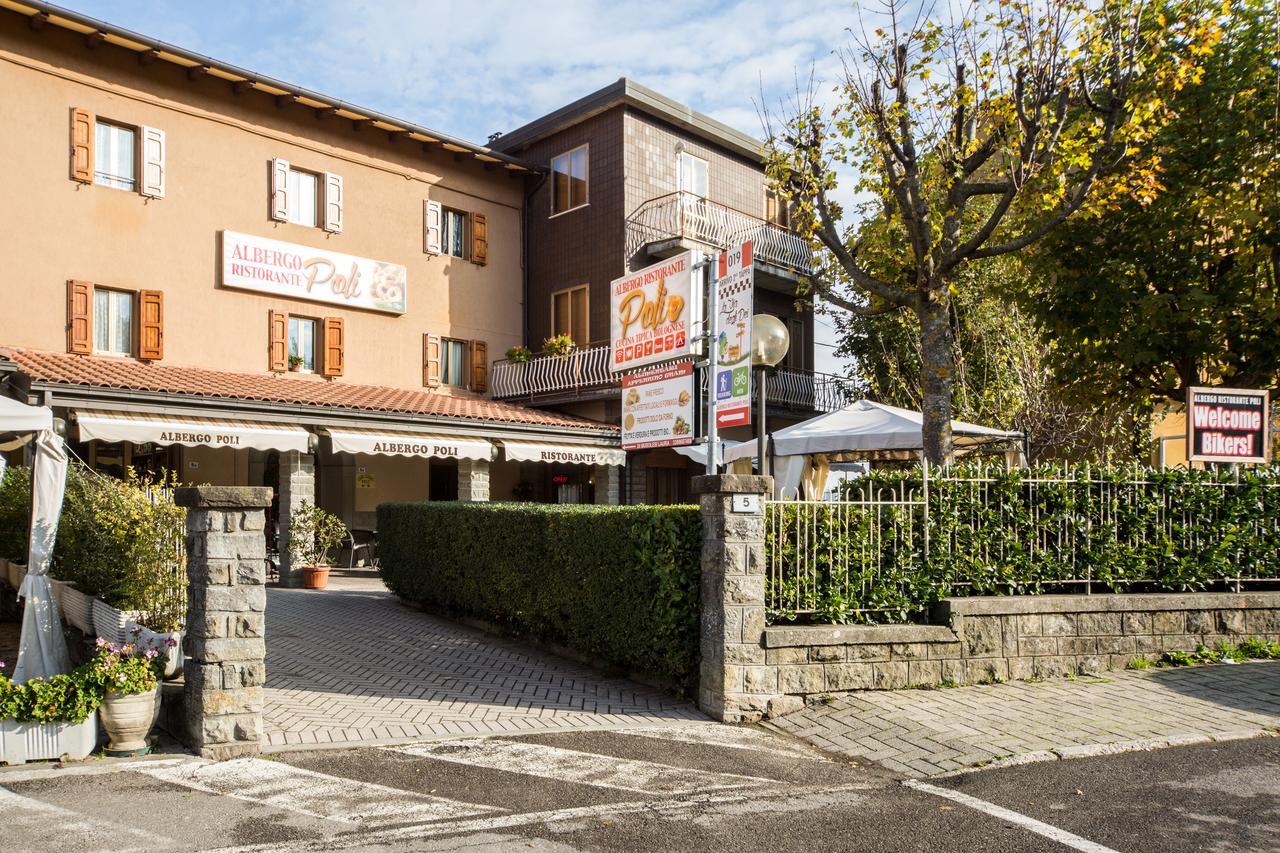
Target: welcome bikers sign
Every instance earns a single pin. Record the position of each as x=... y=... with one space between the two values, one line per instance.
x=1228 y=425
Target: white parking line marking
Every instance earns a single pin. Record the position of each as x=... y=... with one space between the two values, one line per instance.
x=1067 y=839
x=733 y=737
x=586 y=768
x=25 y=817
x=316 y=794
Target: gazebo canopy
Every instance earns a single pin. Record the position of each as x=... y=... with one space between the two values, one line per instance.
x=19 y=417
x=864 y=429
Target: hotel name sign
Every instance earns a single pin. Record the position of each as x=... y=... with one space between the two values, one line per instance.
x=319 y=275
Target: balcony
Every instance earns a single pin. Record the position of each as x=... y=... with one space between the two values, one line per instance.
x=678 y=221
x=584 y=375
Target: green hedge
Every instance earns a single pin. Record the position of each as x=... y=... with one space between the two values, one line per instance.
x=616 y=583
x=1044 y=530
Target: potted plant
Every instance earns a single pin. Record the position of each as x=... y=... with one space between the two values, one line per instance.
x=48 y=718
x=558 y=345
x=518 y=354
x=313 y=533
x=129 y=677
x=295 y=363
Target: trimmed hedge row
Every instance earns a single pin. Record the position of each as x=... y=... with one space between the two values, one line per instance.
x=616 y=583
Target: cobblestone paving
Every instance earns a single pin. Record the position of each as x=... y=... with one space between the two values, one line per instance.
x=351 y=665
x=927 y=732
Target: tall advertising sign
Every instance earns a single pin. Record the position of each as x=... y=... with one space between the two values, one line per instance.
x=734 y=287
x=650 y=319
x=1228 y=425
x=657 y=407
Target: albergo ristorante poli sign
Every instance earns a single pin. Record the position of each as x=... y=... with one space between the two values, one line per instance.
x=657 y=407
x=650 y=314
x=319 y=275
x=1228 y=425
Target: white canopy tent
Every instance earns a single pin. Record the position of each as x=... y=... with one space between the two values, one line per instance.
x=802 y=454
x=43 y=651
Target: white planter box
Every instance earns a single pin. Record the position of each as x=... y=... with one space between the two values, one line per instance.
x=77 y=608
x=16 y=573
x=174 y=658
x=21 y=742
x=110 y=623
x=58 y=586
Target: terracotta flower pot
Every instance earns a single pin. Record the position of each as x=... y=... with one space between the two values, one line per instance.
x=315 y=576
x=127 y=719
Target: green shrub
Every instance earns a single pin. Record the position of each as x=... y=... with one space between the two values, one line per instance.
x=616 y=583
x=15 y=513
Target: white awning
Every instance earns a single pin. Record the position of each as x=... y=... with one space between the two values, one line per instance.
x=19 y=417
x=380 y=443
x=189 y=431
x=568 y=454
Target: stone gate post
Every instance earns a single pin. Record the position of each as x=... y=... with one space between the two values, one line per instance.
x=226 y=618
x=735 y=685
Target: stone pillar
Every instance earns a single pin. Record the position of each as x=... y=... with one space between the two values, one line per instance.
x=297 y=484
x=473 y=480
x=608 y=480
x=637 y=480
x=736 y=685
x=226 y=618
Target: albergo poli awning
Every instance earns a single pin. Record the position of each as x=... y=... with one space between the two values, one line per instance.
x=190 y=431
x=381 y=443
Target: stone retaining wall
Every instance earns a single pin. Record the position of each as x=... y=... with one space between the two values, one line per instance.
x=1015 y=637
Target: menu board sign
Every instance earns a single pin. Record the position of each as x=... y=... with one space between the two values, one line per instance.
x=657 y=407
x=734 y=286
x=1228 y=425
x=650 y=314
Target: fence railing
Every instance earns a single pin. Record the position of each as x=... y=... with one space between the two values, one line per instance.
x=683 y=214
x=903 y=541
x=809 y=391
x=584 y=368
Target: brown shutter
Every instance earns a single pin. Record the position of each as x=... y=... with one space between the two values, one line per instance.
x=431 y=360
x=479 y=366
x=479 y=239
x=334 y=347
x=278 y=342
x=150 y=325
x=82 y=146
x=80 y=317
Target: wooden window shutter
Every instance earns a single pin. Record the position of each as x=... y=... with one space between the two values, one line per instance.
x=431 y=222
x=333 y=200
x=279 y=190
x=278 y=341
x=431 y=360
x=82 y=130
x=153 y=151
x=150 y=325
x=479 y=366
x=80 y=317
x=334 y=347
x=479 y=239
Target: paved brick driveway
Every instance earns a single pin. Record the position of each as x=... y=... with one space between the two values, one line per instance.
x=926 y=732
x=352 y=665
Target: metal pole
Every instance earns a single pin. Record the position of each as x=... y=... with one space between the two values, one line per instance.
x=762 y=434
x=713 y=362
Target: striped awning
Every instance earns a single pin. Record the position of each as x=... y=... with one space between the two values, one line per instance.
x=190 y=431
x=382 y=443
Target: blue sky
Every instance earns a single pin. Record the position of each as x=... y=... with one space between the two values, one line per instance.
x=472 y=69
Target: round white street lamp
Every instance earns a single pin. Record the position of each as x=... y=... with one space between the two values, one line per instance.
x=770 y=341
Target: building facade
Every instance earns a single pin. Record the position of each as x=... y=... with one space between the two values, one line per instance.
x=248 y=283
x=632 y=177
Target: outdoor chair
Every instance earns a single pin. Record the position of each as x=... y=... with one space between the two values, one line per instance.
x=363 y=542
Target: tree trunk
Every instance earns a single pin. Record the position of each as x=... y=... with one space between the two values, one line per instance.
x=937 y=363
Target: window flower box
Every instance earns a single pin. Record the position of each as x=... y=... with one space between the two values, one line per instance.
x=22 y=742
x=77 y=608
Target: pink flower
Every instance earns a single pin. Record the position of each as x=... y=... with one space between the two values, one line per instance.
x=151 y=653
x=100 y=642
x=171 y=642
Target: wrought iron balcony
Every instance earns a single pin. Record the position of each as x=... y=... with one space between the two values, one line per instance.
x=584 y=373
x=683 y=215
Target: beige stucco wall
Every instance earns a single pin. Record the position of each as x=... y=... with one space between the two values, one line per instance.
x=219 y=146
x=395 y=478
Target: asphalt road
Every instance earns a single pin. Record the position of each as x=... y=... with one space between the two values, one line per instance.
x=696 y=787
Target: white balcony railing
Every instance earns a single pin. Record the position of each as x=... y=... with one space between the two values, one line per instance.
x=685 y=215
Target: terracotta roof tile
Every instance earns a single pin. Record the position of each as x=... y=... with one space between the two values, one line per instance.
x=130 y=374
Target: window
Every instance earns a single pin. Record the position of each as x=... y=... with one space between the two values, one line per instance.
x=302 y=343
x=693 y=175
x=453 y=233
x=453 y=363
x=569 y=180
x=303 y=195
x=115 y=156
x=112 y=322
x=569 y=314
x=776 y=209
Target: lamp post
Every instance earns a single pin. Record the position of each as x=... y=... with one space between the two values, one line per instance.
x=769 y=344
